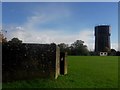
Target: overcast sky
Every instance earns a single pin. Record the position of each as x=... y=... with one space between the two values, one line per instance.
x=47 y=22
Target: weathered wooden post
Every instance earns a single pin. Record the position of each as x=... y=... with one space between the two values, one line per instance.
x=63 y=63
x=57 y=66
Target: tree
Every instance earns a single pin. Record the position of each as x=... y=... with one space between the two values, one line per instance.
x=113 y=52
x=118 y=53
x=78 y=48
x=77 y=43
x=15 y=41
x=63 y=47
x=3 y=39
x=91 y=53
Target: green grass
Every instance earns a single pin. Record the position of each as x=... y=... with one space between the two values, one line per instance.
x=83 y=72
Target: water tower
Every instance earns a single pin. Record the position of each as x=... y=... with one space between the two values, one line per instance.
x=102 y=38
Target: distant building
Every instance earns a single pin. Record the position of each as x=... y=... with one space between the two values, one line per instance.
x=102 y=38
x=103 y=53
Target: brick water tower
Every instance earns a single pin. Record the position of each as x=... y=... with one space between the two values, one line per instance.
x=102 y=38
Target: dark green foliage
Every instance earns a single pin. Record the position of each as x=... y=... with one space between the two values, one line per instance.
x=118 y=53
x=79 y=48
x=15 y=41
x=63 y=47
x=92 y=53
x=113 y=52
x=76 y=48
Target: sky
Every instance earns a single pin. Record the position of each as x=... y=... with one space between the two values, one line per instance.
x=60 y=0
x=0 y=15
x=59 y=22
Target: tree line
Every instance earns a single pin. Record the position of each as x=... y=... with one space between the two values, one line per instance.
x=77 y=48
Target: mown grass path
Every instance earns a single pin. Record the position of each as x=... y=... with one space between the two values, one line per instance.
x=83 y=72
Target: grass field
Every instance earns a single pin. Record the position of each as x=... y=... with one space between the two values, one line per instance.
x=83 y=72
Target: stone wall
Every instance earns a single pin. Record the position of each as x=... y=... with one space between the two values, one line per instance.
x=28 y=61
